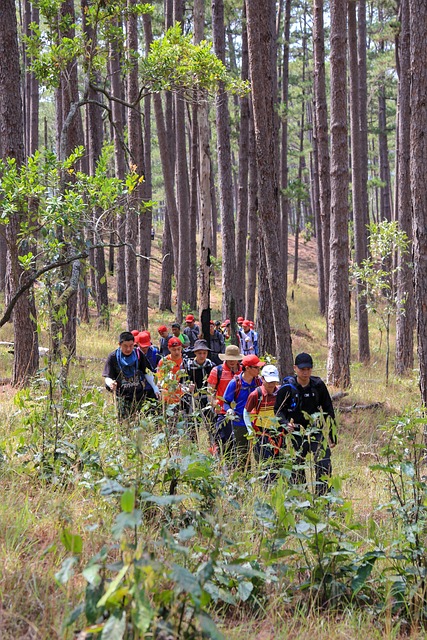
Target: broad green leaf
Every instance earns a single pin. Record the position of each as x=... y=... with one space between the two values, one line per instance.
x=127 y=501
x=245 y=589
x=144 y=614
x=91 y=574
x=66 y=571
x=74 y=615
x=113 y=586
x=72 y=542
x=114 y=628
x=124 y=520
x=208 y=627
x=186 y=534
x=186 y=581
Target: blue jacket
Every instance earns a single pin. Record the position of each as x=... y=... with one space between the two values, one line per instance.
x=240 y=400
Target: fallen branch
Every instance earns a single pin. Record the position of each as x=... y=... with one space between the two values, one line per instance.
x=354 y=407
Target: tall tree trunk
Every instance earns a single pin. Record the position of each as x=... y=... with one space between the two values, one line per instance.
x=95 y=136
x=31 y=93
x=182 y=190
x=253 y=234
x=405 y=320
x=70 y=136
x=418 y=163
x=385 y=189
x=284 y=201
x=359 y=215
x=205 y=217
x=363 y=107
x=262 y=65
x=133 y=307
x=338 y=367
x=314 y=172
x=25 y=362
x=242 y=201
x=117 y=91
x=266 y=336
x=224 y=174
x=321 y=121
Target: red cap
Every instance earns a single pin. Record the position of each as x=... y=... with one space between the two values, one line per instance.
x=143 y=339
x=162 y=328
x=211 y=322
x=225 y=323
x=252 y=361
x=134 y=333
x=240 y=319
x=146 y=333
x=251 y=324
x=189 y=318
x=246 y=323
x=174 y=342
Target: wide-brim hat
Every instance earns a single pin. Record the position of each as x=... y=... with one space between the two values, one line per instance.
x=232 y=352
x=200 y=345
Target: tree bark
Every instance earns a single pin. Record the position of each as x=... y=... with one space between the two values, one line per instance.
x=338 y=366
x=262 y=65
x=117 y=91
x=284 y=201
x=242 y=200
x=224 y=174
x=405 y=320
x=253 y=235
x=322 y=140
x=25 y=362
x=418 y=163
x=359 y=215
x=133 y=307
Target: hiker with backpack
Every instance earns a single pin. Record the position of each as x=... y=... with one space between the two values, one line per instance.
x=145 y=346
x=248 y=339
x=303 y=405
x=198 y=370
x=125 y=374
x=217 y=343
x=236 y=394
x=192 y=330
x=218 y=380
x=259 y=416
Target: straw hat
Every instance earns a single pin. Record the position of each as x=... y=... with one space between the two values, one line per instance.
x=232 y=352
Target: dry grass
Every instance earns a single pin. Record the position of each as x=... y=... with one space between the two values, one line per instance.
x=32 y=605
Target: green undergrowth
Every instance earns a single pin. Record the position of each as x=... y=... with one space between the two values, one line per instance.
x=135 y=530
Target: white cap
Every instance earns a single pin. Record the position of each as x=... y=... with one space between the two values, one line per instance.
x=270 y=373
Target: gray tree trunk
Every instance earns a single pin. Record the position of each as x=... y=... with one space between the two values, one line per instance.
x=242 y=200
x=322 y=141
x=359 y=214
x=133 y=309
x=405 y=321
x=284 y=200
x=26 y=356
x=418 y=163
x=338 y=366
x=262 y=65
x=117 y=91
x=224 y=174
x=253 y=235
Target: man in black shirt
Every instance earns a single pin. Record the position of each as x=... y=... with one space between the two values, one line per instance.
x=302 y=404
x=125 y=370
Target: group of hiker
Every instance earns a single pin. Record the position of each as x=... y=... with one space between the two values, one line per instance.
x=242 y=401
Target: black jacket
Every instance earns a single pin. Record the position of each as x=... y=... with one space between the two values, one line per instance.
x=294 y=401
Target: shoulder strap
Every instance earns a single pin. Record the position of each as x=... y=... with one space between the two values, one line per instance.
x=238 y=381
x=218 y=375
x=259 y=392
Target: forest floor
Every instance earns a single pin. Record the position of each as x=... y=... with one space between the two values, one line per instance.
x=43 y=506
